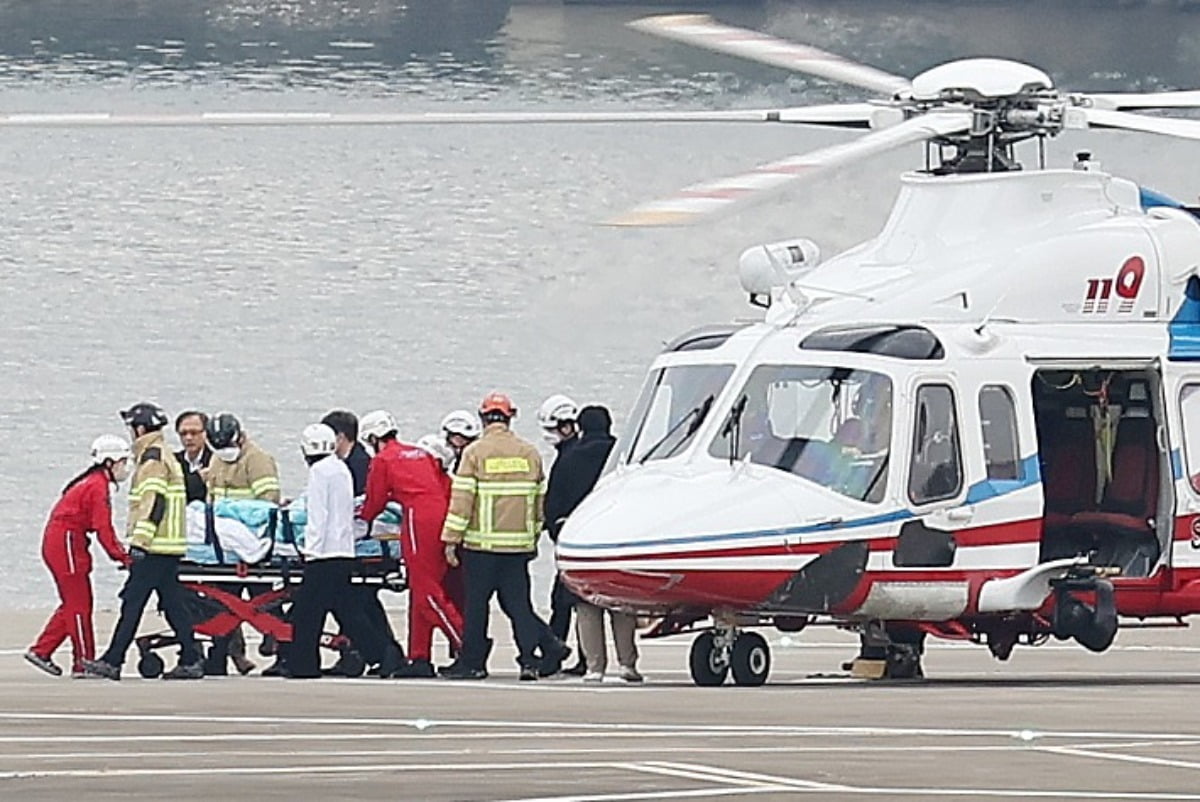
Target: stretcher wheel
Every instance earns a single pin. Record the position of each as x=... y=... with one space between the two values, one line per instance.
x=268 y=646
x=351 y=663
x=150 y=665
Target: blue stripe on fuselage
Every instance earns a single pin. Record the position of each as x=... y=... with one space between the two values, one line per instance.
x=1030 y=474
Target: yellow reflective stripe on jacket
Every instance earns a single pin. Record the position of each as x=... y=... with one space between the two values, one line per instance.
x=466 y=484
x=232 y=493
x=506 y=465
x=263 y=485
x=500 y=541
x=456 y=523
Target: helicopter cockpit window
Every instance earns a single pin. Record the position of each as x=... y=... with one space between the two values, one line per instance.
x=832 y=426
x=673 y=405
x=936 y=469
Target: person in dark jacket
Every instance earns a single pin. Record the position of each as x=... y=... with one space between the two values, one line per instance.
x=582 y=465
x=558 y=418
x=195 y=455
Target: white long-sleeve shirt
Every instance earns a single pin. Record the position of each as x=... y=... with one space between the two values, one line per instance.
x=330 y=498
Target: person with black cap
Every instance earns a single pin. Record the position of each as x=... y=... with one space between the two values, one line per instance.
x=156 y=544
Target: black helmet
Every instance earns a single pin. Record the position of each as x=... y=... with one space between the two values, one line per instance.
x=146 y=414
x=223 y=430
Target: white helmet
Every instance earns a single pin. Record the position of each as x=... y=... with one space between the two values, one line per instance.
x=462 y=422
x=318 y=440
x=377 y=424
x=556 y=410
x=438 y=448
x=110 y=447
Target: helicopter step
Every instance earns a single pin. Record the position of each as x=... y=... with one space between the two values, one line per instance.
x=887 y=654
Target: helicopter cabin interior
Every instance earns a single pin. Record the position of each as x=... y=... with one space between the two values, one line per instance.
x=1105 y=478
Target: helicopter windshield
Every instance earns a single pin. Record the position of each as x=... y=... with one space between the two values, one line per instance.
x=672 y=406
x=830 y=425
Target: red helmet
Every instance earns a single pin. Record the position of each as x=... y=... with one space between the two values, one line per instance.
x=498 y=402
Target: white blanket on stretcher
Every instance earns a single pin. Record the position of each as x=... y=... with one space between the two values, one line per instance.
x=236 y=538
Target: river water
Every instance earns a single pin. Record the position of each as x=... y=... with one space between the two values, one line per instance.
x=281 y=272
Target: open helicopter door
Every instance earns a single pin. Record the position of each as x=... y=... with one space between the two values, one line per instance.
x=1105 y=467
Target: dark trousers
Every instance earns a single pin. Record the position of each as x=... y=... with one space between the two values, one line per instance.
x=366 y=599
x=326 y=589
x=562 y=602
x=505 y=575
x=157 y=573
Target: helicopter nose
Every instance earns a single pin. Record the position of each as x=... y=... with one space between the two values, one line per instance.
x=664 y=537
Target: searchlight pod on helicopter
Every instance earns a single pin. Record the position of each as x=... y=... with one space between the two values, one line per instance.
x=982 y=424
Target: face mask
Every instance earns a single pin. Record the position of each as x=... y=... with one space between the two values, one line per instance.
x=551 y=436
x=228 y=454
x=120 y=471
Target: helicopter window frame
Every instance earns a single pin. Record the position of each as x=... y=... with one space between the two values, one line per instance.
x=649 y=411
x=1191 y=448
x=922 y=468
x=1009 y=437
x=814 y=423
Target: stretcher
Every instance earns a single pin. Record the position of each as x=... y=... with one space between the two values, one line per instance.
x=223 y=590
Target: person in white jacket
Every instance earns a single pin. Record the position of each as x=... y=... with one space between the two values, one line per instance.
x=328 y=556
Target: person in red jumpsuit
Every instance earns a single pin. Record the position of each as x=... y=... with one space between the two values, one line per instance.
x=412 y=477
x=84 y=507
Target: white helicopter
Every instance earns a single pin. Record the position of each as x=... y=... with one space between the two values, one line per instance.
x=982 y=424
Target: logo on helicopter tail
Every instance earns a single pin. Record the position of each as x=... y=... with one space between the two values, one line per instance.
x=1125 y=287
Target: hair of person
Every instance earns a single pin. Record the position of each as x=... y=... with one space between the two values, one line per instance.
x=191 y=413
x=343 y=422
x=85 y=474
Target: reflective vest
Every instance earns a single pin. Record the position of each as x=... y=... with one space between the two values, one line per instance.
x=157 y=498
x=496 y=494
x=253 y=474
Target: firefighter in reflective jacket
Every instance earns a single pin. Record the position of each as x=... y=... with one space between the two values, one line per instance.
x=156 y=543
x=239 y=468
x=495 y=516
x=413 y=477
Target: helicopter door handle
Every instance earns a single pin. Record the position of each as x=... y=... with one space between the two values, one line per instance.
x=960 y=515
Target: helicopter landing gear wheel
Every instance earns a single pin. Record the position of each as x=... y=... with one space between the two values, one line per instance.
x=709 y=659
x=904 y=662
x=750 y=659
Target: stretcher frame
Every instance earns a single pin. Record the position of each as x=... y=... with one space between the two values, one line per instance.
x=215 y=604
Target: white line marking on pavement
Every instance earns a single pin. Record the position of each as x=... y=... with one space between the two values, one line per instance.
x=689 y=772
x=699 y=793
x=640 y=748
x=559 y=728
x=733 y=775
x=362 y=768
x=1152 y=761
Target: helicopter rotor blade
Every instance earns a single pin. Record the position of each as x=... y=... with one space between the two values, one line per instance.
x=709 y=198
x=703 y=31
x=834 y=114
x=1130 y=101
x=1128 y=121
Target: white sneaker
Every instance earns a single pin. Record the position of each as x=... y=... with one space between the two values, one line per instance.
x=593 y=677
x=630 y=674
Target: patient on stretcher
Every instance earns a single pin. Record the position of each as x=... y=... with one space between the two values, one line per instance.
x=253 y=531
